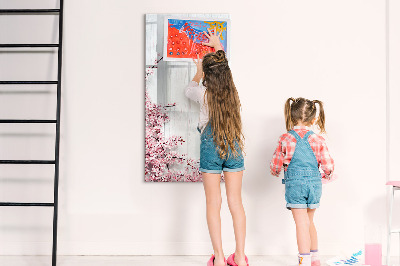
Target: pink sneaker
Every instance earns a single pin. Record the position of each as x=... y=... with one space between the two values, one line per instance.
x=231 y=260
x=316 y=263
x=211 y=261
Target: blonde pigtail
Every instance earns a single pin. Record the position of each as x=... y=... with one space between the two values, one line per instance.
x=288 y=114
x=321 y=116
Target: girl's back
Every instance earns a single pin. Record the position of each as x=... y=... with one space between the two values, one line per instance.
x=302 y=153
x=287 y=146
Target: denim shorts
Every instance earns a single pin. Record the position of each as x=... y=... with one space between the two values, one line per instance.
x=303 y=193
x=210 y=160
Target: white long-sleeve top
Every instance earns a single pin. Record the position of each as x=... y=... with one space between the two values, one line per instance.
x=196 y=92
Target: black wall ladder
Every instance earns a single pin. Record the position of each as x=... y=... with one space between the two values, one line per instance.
x=57 y=82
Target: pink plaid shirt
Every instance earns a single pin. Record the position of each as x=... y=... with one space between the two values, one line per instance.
x=287 y=144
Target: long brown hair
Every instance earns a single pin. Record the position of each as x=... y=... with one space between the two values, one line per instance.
x=223 y=104
x=303 y=110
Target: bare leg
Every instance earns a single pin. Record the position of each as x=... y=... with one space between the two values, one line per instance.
x=313 y=230
x=302 y=221
x=233 y=184
x=212 y=189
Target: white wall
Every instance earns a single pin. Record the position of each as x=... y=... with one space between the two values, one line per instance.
x=394 y=109
x=333 y=51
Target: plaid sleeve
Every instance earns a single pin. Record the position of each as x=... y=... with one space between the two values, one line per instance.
x=278 y=157
x=326 y=162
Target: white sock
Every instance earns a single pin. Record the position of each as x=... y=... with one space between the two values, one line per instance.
x=314 y=255
x=305 y=260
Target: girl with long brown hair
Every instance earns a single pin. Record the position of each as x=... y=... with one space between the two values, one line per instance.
x=302 y=153
x=221 y=147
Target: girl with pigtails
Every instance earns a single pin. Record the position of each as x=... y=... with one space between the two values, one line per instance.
x=302 y=154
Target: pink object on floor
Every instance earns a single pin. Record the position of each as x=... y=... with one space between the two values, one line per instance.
x=316 y=263
x=231 y=260
x=373 y=254
x=333 y=178
x=211 y=261
x=393 y=183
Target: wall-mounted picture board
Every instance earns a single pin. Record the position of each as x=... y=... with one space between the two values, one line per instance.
x=183 y=37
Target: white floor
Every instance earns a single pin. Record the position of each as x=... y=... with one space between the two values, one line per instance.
x=135 y=260
x=142 y=260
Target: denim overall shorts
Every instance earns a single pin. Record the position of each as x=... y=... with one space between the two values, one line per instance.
x=303 y=186
x=210 y=160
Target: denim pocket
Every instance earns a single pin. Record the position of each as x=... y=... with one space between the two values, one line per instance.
x=293 y=190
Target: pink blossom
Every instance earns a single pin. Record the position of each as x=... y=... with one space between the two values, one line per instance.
x=161 y=154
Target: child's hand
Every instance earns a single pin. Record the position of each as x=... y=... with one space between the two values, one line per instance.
x=273 y=173
x=199 y=64
x=325 y=180
x=199 y=73
x=213 y=39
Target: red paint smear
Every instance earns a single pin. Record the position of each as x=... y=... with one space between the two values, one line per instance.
x=179 y=42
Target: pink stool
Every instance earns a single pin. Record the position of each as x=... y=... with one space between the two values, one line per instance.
x=394 y=185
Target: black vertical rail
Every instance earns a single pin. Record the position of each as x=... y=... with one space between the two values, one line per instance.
x=57 y=146
x=56 y=160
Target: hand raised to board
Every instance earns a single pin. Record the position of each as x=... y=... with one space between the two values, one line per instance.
x=213 y=39
x=199 y=73
x=199 y=64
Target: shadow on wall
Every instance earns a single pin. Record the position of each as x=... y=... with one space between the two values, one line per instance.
x=263 y=193
x=376 y=222
x=375 y=213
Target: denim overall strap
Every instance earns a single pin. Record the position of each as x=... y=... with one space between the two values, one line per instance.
x=294 y=134
x=303 y=164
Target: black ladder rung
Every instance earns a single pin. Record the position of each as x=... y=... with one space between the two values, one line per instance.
x=28 y=204
x=30 y=82
x=27 y=121
x=32 y=45
x=27 y=161
x=7 y=11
